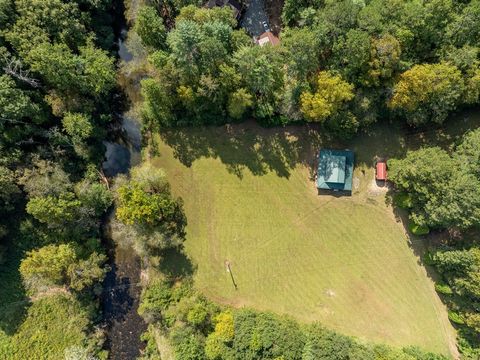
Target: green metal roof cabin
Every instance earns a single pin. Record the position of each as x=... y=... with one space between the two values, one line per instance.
x=335 y=170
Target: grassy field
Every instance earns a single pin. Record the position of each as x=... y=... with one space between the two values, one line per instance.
x=345 y=261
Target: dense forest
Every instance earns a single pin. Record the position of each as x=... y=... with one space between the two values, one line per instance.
x=345 y=64
x=56 y=90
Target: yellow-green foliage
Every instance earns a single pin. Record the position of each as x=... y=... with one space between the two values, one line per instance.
x=137 y=206
x=332 y=92
x=430 y=89
x=224 y=326
x=50 y=263
x=52 y=325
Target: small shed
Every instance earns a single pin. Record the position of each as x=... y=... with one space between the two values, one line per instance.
x=381 y=170
x=335 y=170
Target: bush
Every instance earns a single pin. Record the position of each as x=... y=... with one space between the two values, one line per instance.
x=418 y=230
x=455 y=317
x=443 y=289
x=154 y=300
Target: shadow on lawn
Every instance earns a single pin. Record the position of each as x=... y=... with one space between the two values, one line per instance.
x=175 y=264
x=247 y=146
x=279 y=149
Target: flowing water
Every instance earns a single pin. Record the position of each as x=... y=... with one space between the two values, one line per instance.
x=122 y=284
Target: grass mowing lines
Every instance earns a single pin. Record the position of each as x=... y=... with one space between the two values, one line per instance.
x=341 y=260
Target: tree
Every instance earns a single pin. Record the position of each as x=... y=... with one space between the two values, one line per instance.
x=45 y=178
x=148 y=216
x=301 y=63
x=78 y=126
x=261 y=74
x=90 y=72
x=352 y=55
x=85 y=273
x=427 y=93
x=331 y=94
x=55 y=211
x=47 y=266
x=444 y=192
x=9 y=191
x=16 y=104
x=149 y=26
x=184 y=43
x=468 y=152
x=139 y=207
x=53 y=21
x=464 y=29
x=157 y=109
x=238 y=103
x=384 y=62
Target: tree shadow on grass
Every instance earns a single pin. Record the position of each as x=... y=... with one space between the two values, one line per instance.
x=247 y=146
x=175 y=264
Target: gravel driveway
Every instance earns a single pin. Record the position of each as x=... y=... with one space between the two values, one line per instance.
x=253 y=17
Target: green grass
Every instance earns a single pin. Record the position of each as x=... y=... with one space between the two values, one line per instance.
x=345 y=261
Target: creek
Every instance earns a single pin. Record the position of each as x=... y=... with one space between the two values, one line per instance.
x=120 y=298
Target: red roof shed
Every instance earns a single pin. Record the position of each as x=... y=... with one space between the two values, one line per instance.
x=381 y=171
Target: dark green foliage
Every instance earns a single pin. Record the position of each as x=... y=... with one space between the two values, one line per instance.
x=149 y=26
x=211 y=73
x=403 y=200
x=444 y=190
x=55 y=92
x=155 y=299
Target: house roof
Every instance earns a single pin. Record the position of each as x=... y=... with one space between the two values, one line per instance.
x=335 y=169
x=268 y=38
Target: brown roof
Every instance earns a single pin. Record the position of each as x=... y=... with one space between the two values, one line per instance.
x=268 y=37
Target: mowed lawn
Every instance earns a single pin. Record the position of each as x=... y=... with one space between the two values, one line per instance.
x=344 y=261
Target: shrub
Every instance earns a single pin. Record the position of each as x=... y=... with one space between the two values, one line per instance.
x=455 y=317
x=154 y=300
x=418 y=230
x=443 y=289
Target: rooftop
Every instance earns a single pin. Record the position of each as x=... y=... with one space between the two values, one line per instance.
x=268 y=38
x=335 y=169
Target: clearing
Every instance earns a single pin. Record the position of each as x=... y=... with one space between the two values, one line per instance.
x=250 y=199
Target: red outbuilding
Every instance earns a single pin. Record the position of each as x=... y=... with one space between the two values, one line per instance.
x=381 y=170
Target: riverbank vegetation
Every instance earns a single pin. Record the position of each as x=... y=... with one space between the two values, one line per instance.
x=56 y=87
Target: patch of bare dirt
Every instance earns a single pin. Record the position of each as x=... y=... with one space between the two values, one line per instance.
x=378 y=187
